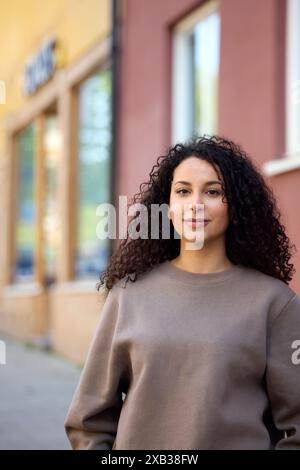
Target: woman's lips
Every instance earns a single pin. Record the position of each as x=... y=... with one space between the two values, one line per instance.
x=197 y=222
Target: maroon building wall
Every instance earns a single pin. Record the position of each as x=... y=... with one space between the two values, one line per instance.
x=145 y=94
x=251 y=93
x=252 y=75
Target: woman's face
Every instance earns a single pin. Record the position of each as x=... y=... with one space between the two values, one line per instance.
x=196 y=193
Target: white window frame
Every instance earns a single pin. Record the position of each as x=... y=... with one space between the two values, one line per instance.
x=291 y=158
x=181 y=99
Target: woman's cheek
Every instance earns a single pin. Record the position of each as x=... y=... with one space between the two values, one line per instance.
x=221 y=217
x=176 y=215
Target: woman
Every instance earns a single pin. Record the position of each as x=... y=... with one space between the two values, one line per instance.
x=203 y=336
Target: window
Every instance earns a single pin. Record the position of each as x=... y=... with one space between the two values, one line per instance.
x=196 y=58
x=291 y=160
x=293 y=79
x=94 y=170
x=50 y=213
x=26 y=210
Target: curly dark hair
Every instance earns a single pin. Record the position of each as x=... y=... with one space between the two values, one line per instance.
x=254 y=238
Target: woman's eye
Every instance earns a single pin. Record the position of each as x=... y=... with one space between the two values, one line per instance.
x=182 y=191
x=214 y=191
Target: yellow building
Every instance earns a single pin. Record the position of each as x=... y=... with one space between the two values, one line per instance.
x=55 y=157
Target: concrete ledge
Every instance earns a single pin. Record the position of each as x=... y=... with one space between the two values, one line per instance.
x=281 y=165
x=22 y=290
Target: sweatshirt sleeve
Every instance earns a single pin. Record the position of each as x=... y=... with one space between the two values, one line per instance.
x=92 y=419
x=283 y=374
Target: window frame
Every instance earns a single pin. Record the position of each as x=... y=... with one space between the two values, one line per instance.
x=182 y=117
x=75 y=164
x=290 y=160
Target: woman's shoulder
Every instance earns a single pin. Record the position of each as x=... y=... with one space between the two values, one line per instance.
x=136 y=283
x=267 y=281
x=266 y=288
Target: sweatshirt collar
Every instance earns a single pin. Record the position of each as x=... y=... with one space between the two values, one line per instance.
x=199 y=278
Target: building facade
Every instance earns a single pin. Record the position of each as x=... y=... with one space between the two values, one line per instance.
x=55 y=141
x=185 y=68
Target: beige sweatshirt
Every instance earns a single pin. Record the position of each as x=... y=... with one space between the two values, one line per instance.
x=207 y=361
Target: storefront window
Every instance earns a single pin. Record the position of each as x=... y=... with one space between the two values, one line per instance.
x=94 y=167
x=25 y=223
x=51 y=232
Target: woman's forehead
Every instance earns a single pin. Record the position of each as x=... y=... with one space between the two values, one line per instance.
x=194 y=170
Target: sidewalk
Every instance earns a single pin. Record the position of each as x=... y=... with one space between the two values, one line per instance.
x=35 y=392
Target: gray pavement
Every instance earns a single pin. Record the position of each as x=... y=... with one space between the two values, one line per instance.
x=36 y=388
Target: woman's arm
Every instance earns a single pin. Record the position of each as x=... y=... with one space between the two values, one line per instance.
x=283 y=373
x=92 y=419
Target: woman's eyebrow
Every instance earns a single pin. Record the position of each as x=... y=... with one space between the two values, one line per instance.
x=205 y=184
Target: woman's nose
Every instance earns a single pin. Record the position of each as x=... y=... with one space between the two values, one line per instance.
x=197 y=202
x=196 y=207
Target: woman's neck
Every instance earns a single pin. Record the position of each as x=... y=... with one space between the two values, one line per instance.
x=205 y=260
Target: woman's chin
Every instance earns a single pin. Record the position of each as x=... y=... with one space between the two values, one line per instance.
x=196 y=240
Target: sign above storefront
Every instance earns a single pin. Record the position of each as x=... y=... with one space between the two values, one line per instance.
x=40 y=67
